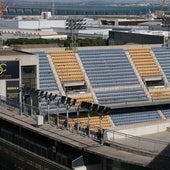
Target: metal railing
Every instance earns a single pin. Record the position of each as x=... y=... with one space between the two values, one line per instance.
x=55 y=118
x=27 y=158
x=10 y=103
x=114 y=138
x=136 y=143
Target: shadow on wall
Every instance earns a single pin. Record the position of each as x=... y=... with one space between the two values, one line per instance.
x=162 y=160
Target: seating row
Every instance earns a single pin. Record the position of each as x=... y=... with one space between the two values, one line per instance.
x=135 y=117
x=67 y=66
x=162 y=54
x=121 y=96
x=103 y=70
x=144 y=62
x=46 y=77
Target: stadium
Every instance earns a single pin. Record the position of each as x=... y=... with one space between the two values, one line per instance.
x=117 y=96
x=84 y=108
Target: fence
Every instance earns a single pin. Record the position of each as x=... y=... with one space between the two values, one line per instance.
x=26 y=158
x=136 y=143
x=53 y=117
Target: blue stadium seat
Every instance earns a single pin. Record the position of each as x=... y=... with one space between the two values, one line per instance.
x=123 y=96
x=46 y=77
x=108 y=67
x=162 y=54
x=166 y=112
x=135 y=117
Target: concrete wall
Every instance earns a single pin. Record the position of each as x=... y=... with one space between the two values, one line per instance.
x=39 y=24
x=138 y=131
x=31 y=24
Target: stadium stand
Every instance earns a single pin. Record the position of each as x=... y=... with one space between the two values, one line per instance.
x=162 y=54
x=135 y=117
x=113 y=80
x=94 y=122
x=144 y=62
x=107 y=68
x=160 y=94
x=94 y=119
x=86 y=97
x=68 y=70
x=46 y=79
x=123 y=96
x=67 y=66
x=110 y=68
x=166 y=112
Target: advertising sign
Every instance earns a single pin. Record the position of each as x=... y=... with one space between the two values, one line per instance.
x=12 y=90
x=9 y=69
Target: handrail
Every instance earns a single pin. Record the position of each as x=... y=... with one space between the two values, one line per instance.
x=137 y=137
x=26 y=110
x=19 y=152
x=138 y=143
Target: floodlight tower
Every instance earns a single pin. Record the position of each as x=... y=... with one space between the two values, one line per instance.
x=75 y=24
x=166 y=34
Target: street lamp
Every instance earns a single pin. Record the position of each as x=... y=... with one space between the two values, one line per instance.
x=75 y=24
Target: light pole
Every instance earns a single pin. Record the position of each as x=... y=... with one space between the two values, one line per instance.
x=88 y=107
x=78 y=118
x=68 y=102
x=75 y=24
x=102 y=111
x=166 y=24
x=34 y=93
x=49 y=98
x=21 y=99
x=40 y=97
x=25 y=91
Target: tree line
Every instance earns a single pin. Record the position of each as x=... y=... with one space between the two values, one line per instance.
x=62 y=43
